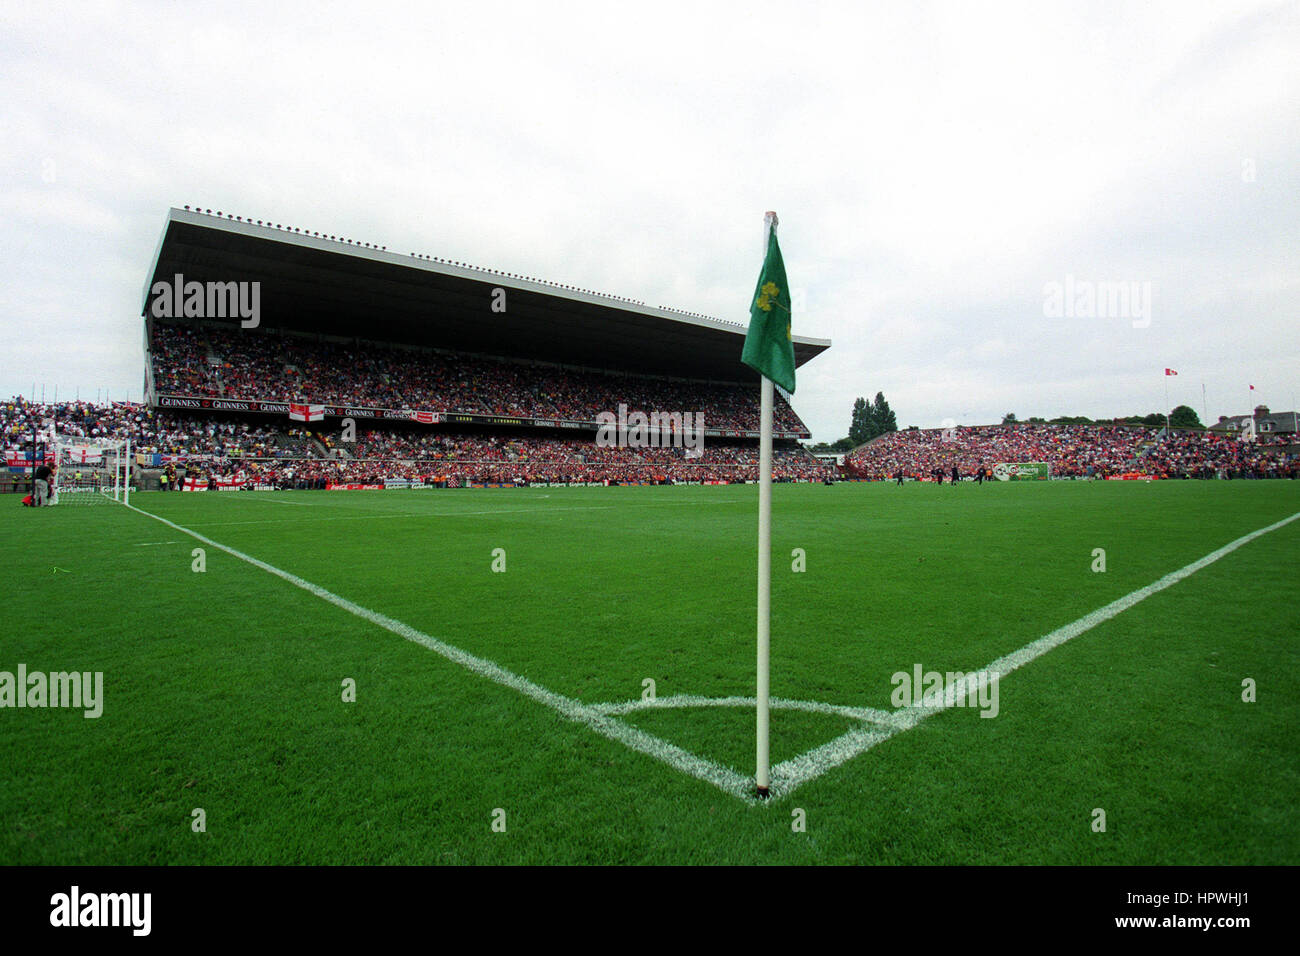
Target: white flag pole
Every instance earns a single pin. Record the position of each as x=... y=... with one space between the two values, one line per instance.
x=762 y=775
x=1168 y=433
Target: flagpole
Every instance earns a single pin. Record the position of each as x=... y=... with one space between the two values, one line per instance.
x=762 y=774
x=1168 y=433
x=762 y=777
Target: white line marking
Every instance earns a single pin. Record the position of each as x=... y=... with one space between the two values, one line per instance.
x=790 y=774
x=867 y=714
x=724 y=778
x=247 y=496
x=808 y=766
x=375 y=516
x=150 y=544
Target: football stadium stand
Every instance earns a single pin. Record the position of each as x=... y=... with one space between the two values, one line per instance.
x=363 y=368
x=279 y=357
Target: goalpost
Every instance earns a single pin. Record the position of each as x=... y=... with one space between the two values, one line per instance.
x=90 y=471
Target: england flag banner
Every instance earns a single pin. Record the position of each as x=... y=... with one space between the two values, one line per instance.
x=85 y=454
x=306 y=413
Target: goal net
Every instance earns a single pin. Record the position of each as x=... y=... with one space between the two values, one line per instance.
x=90 y=471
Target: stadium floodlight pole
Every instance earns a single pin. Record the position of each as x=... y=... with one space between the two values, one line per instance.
x=762 y=774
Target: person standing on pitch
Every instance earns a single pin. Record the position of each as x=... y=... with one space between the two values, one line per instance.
x=41 y=486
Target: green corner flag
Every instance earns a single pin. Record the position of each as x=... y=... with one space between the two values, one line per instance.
x=769 y=346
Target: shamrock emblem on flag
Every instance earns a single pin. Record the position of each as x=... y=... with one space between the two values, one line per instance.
x=766 y=294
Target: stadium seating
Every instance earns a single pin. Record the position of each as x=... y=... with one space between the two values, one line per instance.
x=258 y=452
x=1072 y=451
x=215 y=363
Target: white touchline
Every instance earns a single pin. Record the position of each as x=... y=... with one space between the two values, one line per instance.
x=793 y=773
x=724 y=778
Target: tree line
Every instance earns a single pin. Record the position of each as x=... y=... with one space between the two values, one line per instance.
x=1181 y=417
x=873 y=419
x=869 y=420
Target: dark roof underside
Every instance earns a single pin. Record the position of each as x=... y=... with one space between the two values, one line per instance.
x=327 y=287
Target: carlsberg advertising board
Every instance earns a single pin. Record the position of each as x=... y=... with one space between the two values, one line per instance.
x=1022 y=471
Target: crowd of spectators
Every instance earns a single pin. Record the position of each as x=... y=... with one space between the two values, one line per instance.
x=1211 y=455
x=1072 y=451
x=243 y=364
x=115 y=420
x=203 y=447
x=506 y=458
x=293 y=455
x=484 y=458
x=149 y=430
x=190 y=435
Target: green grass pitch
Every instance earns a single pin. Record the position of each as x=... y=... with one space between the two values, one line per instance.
x=223 y=689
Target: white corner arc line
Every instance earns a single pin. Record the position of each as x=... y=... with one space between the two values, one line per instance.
x=793 y=773
x=724 y=778
x=682 y=701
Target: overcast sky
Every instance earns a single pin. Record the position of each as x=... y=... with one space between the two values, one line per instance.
x=935 y=167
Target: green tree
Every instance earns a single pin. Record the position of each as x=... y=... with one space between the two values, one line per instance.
x=1009 y=418
x=1184 y=417
x=862 y=428
x=883 y=415
x=844 y=445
